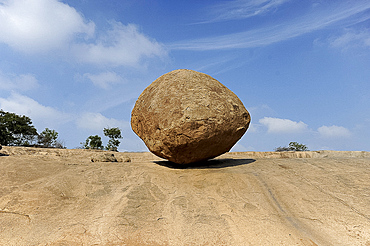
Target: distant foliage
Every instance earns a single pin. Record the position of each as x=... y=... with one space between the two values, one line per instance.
x=297 y=147
x=293 y=146
x=93 y=142
x=16 y=130
x=281 y=149
x=113 y=134
x=49 y=138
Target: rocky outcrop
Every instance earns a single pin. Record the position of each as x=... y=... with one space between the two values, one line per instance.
x=185 y=116
x=108 y=157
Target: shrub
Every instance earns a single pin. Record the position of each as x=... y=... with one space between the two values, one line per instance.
x=293 y=146
x=48 y=138
x=93 y=142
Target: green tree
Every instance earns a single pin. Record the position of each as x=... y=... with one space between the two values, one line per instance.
x=281 y=149
x=293 y=146
x=48 y=138
x=16 y=130
x=93 y=142
x=113 y=134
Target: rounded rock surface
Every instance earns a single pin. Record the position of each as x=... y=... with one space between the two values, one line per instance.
x=186 y=116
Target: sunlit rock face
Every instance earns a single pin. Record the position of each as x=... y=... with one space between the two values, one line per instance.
x=185 y=116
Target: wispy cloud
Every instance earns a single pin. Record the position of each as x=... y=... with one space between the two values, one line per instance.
x=96 y=121
x=22 y=82
x=104 y=80
x=276 y=125
x=241 y=9
x=351 y=38
x=43 y=116
x=344 y=13
x=334 y=131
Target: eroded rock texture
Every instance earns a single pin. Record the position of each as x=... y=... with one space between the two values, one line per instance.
x=185 y=116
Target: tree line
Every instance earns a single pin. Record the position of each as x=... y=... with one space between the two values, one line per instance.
x=18 y=130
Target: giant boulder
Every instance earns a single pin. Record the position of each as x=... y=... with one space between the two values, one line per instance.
x=185 y=116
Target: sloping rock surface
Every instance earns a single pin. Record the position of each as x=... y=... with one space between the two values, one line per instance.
x=59 y=197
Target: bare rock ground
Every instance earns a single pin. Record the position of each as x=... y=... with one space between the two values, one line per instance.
x=60 y=197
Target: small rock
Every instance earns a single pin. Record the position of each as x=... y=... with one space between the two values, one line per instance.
x=124 y=159
x=105 y=157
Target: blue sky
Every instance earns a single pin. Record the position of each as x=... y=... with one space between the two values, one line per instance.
x=301 y=68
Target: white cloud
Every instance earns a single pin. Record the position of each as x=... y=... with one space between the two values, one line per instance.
x=34 y=26
x=96 y=121
x=42 y=116
x=276 y=125
x=349 y=13
x=121 y=45
x=23 y=82
x=40 y=25
x=104 y=80
x=334 y=131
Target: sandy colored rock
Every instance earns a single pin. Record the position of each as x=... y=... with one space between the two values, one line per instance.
x=104 y=157
x=59 y=197
x=186 y=116
x=124 y=159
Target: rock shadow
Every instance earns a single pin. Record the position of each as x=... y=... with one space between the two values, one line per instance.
x=2 y=154
x=209 y=164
